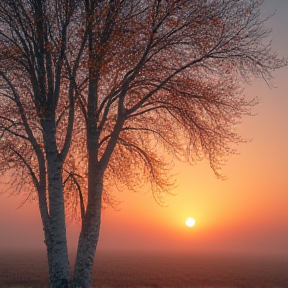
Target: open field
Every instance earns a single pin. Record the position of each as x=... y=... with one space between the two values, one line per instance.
x=155 y=270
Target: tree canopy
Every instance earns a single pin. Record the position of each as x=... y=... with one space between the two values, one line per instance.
x=171 y=70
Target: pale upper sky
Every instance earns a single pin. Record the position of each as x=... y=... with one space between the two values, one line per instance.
x=248 y=212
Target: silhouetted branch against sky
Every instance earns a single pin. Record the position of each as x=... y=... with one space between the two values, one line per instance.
x=168 y=73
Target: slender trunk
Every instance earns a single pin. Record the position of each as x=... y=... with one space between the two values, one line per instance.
x=55 y=234
x=88 y=238
x=89 y=234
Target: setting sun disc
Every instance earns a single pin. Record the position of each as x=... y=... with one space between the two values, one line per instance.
x=190 y=222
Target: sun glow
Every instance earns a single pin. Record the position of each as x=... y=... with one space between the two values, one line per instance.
x=190 y=222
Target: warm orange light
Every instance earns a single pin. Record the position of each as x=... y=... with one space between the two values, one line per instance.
x=190 y=222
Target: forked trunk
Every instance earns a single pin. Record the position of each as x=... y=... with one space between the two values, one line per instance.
x=55 y=233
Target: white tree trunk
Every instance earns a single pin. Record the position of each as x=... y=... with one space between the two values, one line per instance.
x=55 y=234
x=57 y=241
x=88 y=239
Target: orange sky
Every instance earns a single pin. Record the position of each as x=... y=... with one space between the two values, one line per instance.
x=248 y=212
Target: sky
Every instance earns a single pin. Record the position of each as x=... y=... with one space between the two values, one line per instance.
x=247 y=213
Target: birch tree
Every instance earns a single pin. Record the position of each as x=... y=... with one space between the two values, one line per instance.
x=96 y=94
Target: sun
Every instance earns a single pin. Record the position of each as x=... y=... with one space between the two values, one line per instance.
x=190 y=222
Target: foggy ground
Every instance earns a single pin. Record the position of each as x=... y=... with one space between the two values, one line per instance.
x=150 y=270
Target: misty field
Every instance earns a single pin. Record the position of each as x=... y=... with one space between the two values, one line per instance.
x=147 y=270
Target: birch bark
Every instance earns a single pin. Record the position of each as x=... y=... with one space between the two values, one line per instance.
x=55 y=234
x=88 y=238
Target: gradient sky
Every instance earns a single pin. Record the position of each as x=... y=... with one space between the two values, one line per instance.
x=246 y=213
